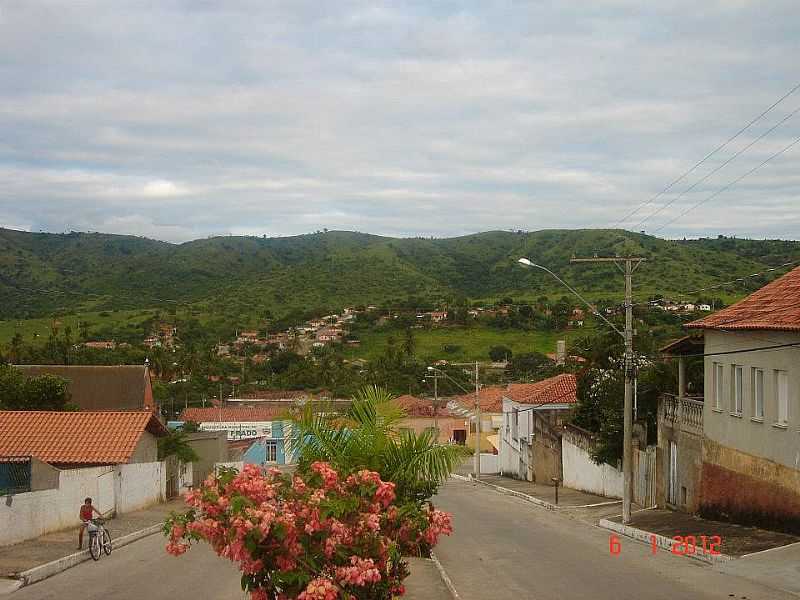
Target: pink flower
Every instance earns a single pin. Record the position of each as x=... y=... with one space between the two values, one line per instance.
x=320 y=589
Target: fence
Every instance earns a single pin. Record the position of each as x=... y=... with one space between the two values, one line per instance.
x=15 y=474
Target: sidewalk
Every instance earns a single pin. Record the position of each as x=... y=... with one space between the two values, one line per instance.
x=735 y=540
x=26 y=555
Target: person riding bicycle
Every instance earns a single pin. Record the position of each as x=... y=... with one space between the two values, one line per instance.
x=85 y=515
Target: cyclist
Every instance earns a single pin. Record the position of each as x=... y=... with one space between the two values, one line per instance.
x=85 y=515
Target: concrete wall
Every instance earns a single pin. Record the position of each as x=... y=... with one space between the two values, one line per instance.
x=533 y=451
x=490 y=464
x=139 y=485
x=43 y=476
x=29 y=515
x=582 y=473
x=546 y=461
x=146 y=450
x=122 y=487
x=751 y=467
x=211 y=447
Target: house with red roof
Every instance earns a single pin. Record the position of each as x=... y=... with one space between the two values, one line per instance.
x=490 y=398
x=751 y=409
x=425 y=414
x=531 y=411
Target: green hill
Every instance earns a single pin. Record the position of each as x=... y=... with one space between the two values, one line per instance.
x=43 y=274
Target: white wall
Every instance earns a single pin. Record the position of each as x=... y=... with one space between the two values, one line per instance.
x=238 y=465
x=139 y=485
x=582 y=473
x=490 y=463
x=29 y=515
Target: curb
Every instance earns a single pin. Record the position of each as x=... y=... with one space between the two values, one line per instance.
x=445 y=577
x=510 y=492
x=661 y=541
x=67 y=562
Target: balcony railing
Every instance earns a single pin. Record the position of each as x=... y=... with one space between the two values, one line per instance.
x=684 y=413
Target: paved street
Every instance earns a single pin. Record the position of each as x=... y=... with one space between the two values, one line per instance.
x=504 y=547
x=143 y=570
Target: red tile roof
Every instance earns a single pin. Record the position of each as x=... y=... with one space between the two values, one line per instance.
x=233 y=414
x=491 y=399
x=87 y=438
x=776 y=306
x=422 y=407
x=560 y=389
x=275 y=394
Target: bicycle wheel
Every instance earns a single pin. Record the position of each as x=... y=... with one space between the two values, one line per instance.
x=106 y=542
x=95 y=549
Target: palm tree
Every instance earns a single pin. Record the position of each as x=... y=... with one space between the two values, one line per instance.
x=368 y=436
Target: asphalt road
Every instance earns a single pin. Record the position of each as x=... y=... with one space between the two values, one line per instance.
x=143 y=571
x=504 y=547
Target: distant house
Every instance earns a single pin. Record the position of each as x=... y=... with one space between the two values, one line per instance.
x=704 y=307
x=424 y=415
x=438 y=316
x=751 y=408
x=123 y=387
x=68 y=440
x=528 y=408
x=223 y=350
x=491 y=405
x=101 y=345
x=242 y=422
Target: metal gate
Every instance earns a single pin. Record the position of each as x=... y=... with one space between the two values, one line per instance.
x=644 y=473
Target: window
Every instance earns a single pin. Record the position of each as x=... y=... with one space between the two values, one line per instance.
x=271 y=448
x=757 y=392
x=738 y=390
x=782 y=395
x=717 y=386
x=515 y=423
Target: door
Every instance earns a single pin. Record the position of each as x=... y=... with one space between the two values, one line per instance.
x=673 y=474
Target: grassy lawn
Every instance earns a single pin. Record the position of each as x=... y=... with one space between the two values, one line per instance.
x=473 y=342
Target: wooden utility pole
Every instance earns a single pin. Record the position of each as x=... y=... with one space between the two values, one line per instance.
x=631 y=264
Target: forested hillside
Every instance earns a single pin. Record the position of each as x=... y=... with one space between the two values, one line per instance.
x=43 y=274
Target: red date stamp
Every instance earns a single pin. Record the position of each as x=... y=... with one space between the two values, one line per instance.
x=680 y=545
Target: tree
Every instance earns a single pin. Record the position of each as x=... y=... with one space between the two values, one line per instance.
x=500 y=353
x=176 y=444
x=44 y=392
x=531 y=365
x=368 y=436
x=191 y=427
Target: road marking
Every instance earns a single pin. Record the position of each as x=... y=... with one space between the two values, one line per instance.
x=445 y=577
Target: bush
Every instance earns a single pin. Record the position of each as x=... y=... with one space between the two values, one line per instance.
x=313 y=536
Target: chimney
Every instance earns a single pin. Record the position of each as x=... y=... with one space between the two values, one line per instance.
x=561 y=352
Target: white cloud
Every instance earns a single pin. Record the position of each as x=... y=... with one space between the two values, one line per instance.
x=402 y=119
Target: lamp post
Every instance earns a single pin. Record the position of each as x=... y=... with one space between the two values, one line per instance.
x=627 y=336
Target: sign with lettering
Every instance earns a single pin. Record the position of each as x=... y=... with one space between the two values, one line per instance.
x=240 y=430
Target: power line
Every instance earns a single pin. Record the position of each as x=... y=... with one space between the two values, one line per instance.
x=717 y=169
x=706 y=157
x=741 y=351
x=728 y=186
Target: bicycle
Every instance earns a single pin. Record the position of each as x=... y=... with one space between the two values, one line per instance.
x=99 y=538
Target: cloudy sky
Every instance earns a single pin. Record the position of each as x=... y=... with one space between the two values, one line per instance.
x=179 y=120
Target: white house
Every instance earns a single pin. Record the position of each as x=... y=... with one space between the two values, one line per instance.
x=531 y=410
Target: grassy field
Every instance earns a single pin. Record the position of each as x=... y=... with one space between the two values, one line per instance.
x=473 y=343
x=37 y=330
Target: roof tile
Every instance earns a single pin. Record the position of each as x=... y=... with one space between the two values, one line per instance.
x=561 y=389
x=105 y=437
x=776 y=306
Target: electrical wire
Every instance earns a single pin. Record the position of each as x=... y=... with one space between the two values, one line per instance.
x=706 y=157
x=717 y=169
x=728 y=186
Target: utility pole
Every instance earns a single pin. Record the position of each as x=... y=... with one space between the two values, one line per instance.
x=477 y=425
x=627 y=449
x=436 y=377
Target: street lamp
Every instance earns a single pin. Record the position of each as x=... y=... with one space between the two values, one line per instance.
x=627 y=459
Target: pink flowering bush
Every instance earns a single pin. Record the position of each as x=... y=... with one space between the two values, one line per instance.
x=310 y=536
